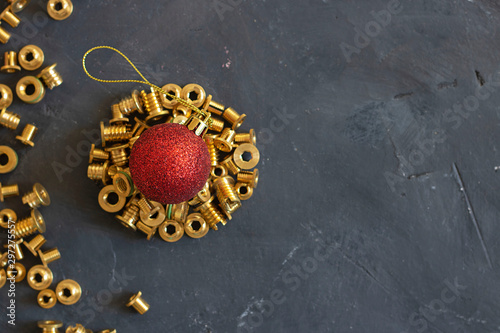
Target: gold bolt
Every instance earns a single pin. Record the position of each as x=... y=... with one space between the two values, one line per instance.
x=97 y=154
x=195 y=226
x=214 y=153
x=47 y=299
x=17 y=248
x=119 y=154
x=229 y=164
x=114 y=133
x=7 y=215
x=118 y=117
x=129 y=217
x=78 y=328
x=216 y=108
x=27 y=135
x=18 y=273
x=4 y=35
x=35 y=244
x=227 y=195
x=211 y=214
x=50 y=326
x=246 y=163
x=152 y=104
x=8 y=191
x=68 y=292
x=50 y=77
x=49 y=256
x=40 y=277
x=30 y=57
x=5 y=96
x=10 y=62
x=149 y=231
x=131 y=104
x=249 y=137
x=217 y=125
x=9 y=119
x=169 y=102
x=138 y=303
x=59 y=9
x=171 y=231
x=10 y=18
x=234 y=117
x=30 y=225
x=249 y=177
x=98 y=172
x=38 y=197
x=225 y=140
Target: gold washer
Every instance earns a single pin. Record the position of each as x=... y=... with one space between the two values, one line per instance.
x=51 y=295
x=11 y=163
x=61 y=14
x=104 y=203
x=34 y=63
x=36 y=96
x=6 y=96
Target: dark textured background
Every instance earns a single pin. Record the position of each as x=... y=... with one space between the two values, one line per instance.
x=361 y=165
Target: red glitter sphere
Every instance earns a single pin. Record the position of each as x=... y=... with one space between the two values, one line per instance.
x=169 y=163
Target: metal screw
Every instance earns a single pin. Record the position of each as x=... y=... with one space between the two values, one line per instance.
x=211 y=214
x=49 y=256
x=118 y=117
x=17 y=249
x=30 y=225
x=119 y=154
x=27 y=135
x=152 y=104
x=214 y=153
x=35 y=244
x=230 y=165
x=249 y=137
x=131 y=104
x=38 y=197
x=138 y=303
x=8 y=191
x=78 y=328
x=149 y=231
x=50 y=77
x=227 y=195
x=4 y=35
x=216 y=108
x=217 y=125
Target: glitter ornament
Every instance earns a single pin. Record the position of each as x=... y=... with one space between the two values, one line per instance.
x=169 y=163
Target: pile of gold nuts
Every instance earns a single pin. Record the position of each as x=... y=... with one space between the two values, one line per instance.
x=39 y=277
x=57 y=9
x=233 y=158
x=52 y=326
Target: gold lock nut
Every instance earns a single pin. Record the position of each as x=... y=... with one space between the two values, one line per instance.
x=4 y=35
x=50 y=326
x=30 y=90
x=5 y=97
x=47 y=299
x=224 y=142
x=213 y=152
x=68 y=292
x=171 y=231
x=99 y=172
x=7 y=215
x=59 y=9
x=97 y=154
x=246 y=163
x=149 y=231
x=156 y=217
x=229 y=164
x=18 y=273
x=167 y=101
x=114 y=133
x=194 y=94
x=27 y=135
x=50 y=76
x=124 y=186
x=78 y=328
x=249 y=177
x=195 y=226
x=49 y=256
x=211 y=214
x=244 y=191
x=138 y=303
x=35 y=244
x=10 y=63
x=130 y=217
x=16 y=246
x=30 y=57
x=40 y=277
x=9 y=119
x=30 y=225
x=12 y=159
x=108 y=205
x=131 y=104
x=233 y=117
x=7 y=191
x=38 y=197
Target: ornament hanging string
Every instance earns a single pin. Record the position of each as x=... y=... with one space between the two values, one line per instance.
x=180 y=100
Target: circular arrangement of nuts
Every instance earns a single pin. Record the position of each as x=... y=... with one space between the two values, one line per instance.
x=233 y=157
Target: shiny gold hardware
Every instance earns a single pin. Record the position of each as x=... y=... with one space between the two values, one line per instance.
x=152 y=104
x=181 y=120
x=10 y=63
x=214 y=153
x=202 y=196
x=181 y=110
x=197 y=124
x=106 y=204
x=114 y=133
x=50 y=326
x=78 y=328
x=124 y=186
x=119 y=154
x=10 y=18
x=8 y=191
x=17 y=248
x=131 y=104
x=211 y=214
x=50 y=76
x=249 y=177
x=30 y=90
x=18 y=273
x=132 y=141
x=149 y=231
x=40 y=277
x=169 y=102
x=7 y=215
x=171 y=231
x=195 y=226
x=47 y=299
x=108 y=331
x=118 y=117
x=38 y=197
x=218 y=171
x=27 y=135
x=194 y=94
x=99 y=172
x=179 y=212
x=224 y=141
x=138 y=303
x=240 y=160
x=227 y=195
x=9 y=119
x=234 y=118
x=249 y=137
x=244 y=191
x=18 y=5
x=147 y=207
x=113 y=170
x=97 y=154
x=4 y=35
x=11 y=159
x=4 y=259
x=3 y=277
x=59 y=9
x=217 y=125
x=216 y=108
x=5 y=98
x=139 y=127
x=49 y=256
x=130 y=217
x=31 y=57
x=156 y=215
x=35 y=244
x=68 y=292
x=229 y=164
x=30 y=225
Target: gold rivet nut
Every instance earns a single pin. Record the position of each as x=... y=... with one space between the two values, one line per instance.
x=68 y=292
x=169 y=102
x=225 y=140
x=195 y=226
x=30 y=57
x=27 y=96
x=59 y=9
x=104 y=202
x=18 y=273
x=40 y=277
x=9 y=17
x=246 y=163
x=138 y=303
x=233 y=117
x=7 y=215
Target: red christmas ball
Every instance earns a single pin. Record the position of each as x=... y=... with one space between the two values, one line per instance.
x=169 y=163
